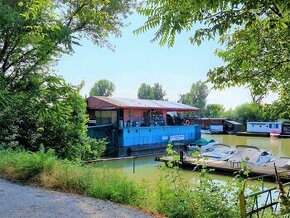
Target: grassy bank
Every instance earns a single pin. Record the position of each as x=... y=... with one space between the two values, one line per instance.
x=172 y=197
x=45 y=170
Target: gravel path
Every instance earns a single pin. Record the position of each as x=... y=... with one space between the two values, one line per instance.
x=25 y=201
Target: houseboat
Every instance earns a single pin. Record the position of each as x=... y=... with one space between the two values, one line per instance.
x=219 y=125
x=138 y=126
x=267 y=128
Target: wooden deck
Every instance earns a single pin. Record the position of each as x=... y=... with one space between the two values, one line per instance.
x=232 y=166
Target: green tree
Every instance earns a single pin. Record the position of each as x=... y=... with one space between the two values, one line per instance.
x=155 y=92
x=196 y=96
x=257 y=98
x=279 y=109
x=49 y=113
x=214 y=110
x=248 y=112
x=35 y=33
x=257 y=57
x=102 y=87
x=229 y=114
x=145 y=92
x=158 y=92
x=255 y=35
x=39 y=109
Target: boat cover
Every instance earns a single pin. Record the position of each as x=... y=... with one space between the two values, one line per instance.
x=203 y=141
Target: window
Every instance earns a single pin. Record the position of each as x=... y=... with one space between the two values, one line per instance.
x=106 y=117
x=270 y=126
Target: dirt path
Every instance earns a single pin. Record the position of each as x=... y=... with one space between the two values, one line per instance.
x=24 y=201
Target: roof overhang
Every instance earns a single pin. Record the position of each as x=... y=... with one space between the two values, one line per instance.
x=109 y=103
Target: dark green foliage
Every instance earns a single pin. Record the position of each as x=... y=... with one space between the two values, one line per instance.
x=248 y=112
x=177 y=197
x=169 y=18
x=34 y=33
x=214 y=110
x=155 y=92
x=40 y=109
x=24 y=166
x=256 y=112
x=279 y=109
x=145 y=92
x=205 y=198
x=102 y=87
x=196 y=96
x=46 y=111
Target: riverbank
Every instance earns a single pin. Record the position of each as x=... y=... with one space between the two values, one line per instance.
x=25 y=201
x=45 y=170
x=172 y=196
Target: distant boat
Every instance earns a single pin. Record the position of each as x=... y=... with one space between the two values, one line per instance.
x=219 y=152
x=251 y=154
x=202 y=144
x=205 y=131
x=275 y=133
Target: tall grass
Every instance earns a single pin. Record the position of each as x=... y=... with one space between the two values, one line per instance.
x=173 y=196
x=46 y=170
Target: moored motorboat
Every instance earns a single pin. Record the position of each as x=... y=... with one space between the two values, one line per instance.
x=251 y=154
x=202 y=145
x=219 y=152
x=205 y=131
x=275 y=133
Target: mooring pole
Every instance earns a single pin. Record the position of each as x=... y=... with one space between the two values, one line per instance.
x=134 y=164
x=181 y=156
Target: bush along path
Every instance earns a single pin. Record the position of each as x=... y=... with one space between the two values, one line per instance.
x=173 y=196
x=26 y=201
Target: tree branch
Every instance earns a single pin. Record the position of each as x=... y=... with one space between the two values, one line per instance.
x=75 y=13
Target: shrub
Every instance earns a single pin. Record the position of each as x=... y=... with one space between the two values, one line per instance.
x=204 y=198
x=45 y=110
x=25 y=166
x=46 y=170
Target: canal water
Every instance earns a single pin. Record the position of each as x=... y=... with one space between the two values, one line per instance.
x=149 y=170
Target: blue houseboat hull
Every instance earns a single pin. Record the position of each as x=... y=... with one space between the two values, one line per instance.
x=144 y=140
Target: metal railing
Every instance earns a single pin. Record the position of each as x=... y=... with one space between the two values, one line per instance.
x=255 y=204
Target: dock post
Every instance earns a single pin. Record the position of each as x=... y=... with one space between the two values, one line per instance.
x=134 y=164
x=181 y=157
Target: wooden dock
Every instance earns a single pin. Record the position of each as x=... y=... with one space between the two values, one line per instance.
x=123 y=158
x=236 y=167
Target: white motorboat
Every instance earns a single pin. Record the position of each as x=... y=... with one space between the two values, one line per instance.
x=205 y=131
x=219 y=152
x=251 y=154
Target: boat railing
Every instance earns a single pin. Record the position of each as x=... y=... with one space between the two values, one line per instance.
x=222 y=145
x=247 y=146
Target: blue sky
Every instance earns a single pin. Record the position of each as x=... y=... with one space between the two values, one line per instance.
x=136 y=60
